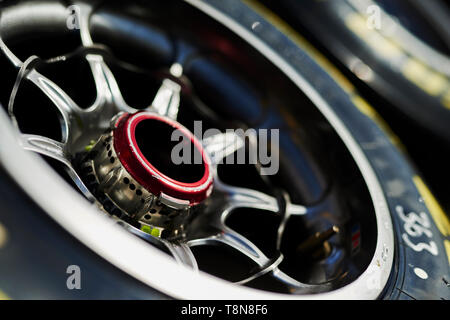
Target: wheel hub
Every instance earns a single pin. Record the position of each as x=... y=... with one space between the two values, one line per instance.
x=132 y=166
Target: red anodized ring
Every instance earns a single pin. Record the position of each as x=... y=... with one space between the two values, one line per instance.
x=145 y=173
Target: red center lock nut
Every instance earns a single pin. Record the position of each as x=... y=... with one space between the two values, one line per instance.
x=134 y=167
x=145 y=171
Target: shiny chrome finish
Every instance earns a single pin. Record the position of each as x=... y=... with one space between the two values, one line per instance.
x=179 y=250
x=167 y=99
x=79 y=126
x=220 y=146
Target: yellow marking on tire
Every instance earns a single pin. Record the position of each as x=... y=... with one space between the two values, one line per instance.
x=417 y=72
x=385 y=47
x=4 y=296
x=446 y=99
x=423 y=76
x=3 y=240
x=389 y=49
x=356 y=23
x=439 y=216
x=3 y=236
x=435 y=84
x=414 y=70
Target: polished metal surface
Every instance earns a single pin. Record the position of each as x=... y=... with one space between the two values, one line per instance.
x=115 y=182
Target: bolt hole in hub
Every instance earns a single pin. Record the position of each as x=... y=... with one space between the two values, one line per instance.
x=130 y=171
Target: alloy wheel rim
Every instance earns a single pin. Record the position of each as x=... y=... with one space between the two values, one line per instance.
x=257 y=199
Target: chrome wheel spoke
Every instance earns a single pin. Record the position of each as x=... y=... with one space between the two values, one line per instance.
x=265 y=265
x=45 y=146
x=9 y=55
x=167 y=99
x=243 y=245
x=296 y=209
x=289 y=210
x=108 y=92
x=273 y=271
x=235 y=241
x=182 y=254
x=294 y=286
x=55 y=150
x=68 y=109
x=247 y=198
x=264 y=270
x=80 y=184
x=222 y=145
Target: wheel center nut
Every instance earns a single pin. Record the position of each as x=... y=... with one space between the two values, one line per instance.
x=134 y=169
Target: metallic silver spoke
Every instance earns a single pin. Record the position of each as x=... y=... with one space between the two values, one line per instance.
x=11 y=57
x=45 y=146
x=222 y=145
x=263 y=271
x=266 y=266
x=80 y=184
x=273 y=270
x=246 y=198
x=236 y=197
x=78 y=125
x=108 y=92
x=55 y=150
x=290 y=283
x=296 y=209
x=167 y=99
x=181 y=252
x=235 y=241
x=294 y=286
x=290 y=210
x=243 y=245
x=68 y=109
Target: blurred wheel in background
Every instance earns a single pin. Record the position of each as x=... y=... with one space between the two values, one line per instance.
x=397 y=54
